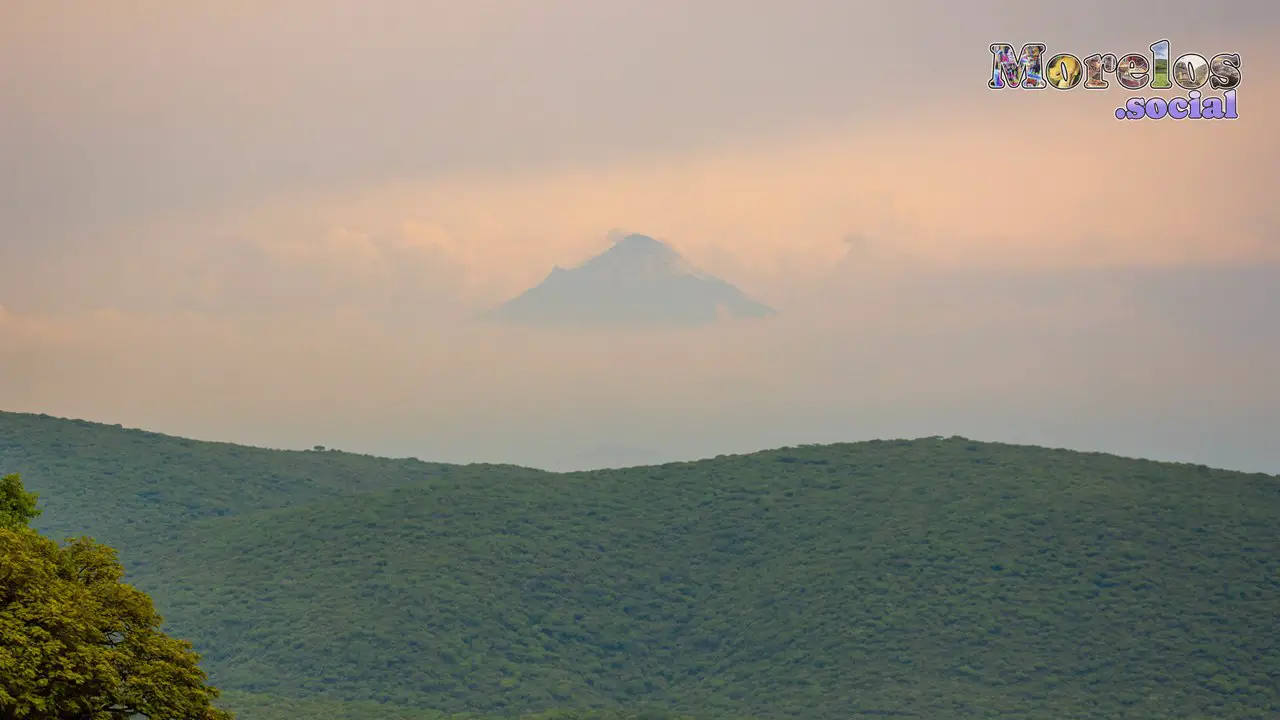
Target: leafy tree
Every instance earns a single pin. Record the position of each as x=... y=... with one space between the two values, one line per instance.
x=17 y=507
x=76 y=642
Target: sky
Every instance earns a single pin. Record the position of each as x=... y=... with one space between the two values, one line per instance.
x=271 y=223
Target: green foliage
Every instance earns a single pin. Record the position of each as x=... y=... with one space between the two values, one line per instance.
x=132 y=489
x=263 y=707
x=928 y=578
x=17 y=506
x=76 y=642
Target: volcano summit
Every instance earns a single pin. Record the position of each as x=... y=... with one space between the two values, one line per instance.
x=639 y=281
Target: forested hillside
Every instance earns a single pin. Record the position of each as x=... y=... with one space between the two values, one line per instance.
x=131 y=489
x=932 y=578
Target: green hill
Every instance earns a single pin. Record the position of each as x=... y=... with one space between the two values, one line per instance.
x=132 y=489
x=930 y=578
x=264 y=707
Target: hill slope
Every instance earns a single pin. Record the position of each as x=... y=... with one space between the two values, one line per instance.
x=929 y=578
x=131 y=489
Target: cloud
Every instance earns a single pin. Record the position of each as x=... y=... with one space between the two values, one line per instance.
x=18 y=329
x=42 y=333
x=999 y=181
x=139 y=111
x=1012 y=182
x=244 y=270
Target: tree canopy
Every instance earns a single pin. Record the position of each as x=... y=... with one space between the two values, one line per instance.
x=17 y=506
x=78 y=643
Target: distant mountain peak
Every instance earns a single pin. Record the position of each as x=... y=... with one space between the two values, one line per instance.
x=637 y=246
x=640 y=280
x=644 y=243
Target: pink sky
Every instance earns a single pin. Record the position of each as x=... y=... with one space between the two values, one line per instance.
x=268 y=223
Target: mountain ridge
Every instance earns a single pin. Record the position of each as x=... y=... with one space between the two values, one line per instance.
x=98 y=425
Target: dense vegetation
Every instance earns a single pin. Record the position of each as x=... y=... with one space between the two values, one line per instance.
x=930 y=578
x=275 y=708
x=78 y=644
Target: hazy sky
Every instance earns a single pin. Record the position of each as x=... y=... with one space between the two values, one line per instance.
x=268 y=222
